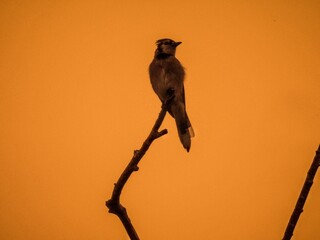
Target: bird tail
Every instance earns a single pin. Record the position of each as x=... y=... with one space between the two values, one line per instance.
x=184 y=127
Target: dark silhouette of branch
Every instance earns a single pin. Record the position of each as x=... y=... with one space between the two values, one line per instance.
x=114 y=204
x=303 y=196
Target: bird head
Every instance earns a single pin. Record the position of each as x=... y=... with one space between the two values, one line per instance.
x=166 y=46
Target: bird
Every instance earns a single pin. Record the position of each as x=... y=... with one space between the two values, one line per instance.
x=167 y=79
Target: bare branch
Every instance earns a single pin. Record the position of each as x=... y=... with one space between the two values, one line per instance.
x=114 y=204
x=303 y=196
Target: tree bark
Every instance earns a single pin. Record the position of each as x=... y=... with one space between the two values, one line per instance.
x=302 y=197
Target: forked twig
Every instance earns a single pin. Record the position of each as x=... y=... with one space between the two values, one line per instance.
x=114 y=204
x=302 y=197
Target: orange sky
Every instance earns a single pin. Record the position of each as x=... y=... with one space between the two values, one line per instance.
x=75 y=101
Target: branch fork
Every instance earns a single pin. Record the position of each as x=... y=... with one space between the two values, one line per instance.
x=113 y=203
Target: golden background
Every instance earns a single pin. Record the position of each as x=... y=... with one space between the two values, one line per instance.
x=75 y=101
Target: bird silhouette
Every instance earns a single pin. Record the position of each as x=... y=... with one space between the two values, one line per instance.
x=167 y=77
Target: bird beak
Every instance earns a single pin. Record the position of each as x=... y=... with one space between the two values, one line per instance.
x=177 y=44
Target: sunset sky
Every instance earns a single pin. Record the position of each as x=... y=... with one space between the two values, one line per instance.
x=76 y=101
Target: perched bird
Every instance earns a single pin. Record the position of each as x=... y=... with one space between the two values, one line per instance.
x=167 y=76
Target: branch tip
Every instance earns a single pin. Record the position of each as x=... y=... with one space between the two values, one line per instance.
x=163 y=132
x=135 y=168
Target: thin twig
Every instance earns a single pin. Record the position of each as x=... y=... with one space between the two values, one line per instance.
x=114 y=204
x=302 y=197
